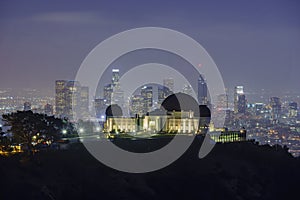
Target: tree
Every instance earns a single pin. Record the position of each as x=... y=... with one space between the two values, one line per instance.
x=4 y=141
x=30 y=128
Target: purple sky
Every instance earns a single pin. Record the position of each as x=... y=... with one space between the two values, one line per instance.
x=254 y=43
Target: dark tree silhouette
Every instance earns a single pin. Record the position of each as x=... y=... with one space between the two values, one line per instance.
x=28 y=128
x=4 y=141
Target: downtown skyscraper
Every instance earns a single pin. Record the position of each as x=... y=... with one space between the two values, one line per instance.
x=112 y=92
x=202 y=91
x=71 y=95
x=239 y=100
x=275 y=109
x=169 y=83
x=147 y=94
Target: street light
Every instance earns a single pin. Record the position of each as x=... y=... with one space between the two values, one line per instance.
x=64 y=131
x=81 y=130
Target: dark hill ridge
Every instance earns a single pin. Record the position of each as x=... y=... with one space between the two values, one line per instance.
x=231 y=171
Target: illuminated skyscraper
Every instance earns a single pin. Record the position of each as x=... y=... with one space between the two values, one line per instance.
x=202 y=91
x=84 y=101
x=117 y=96
x=100 y=107
x=60 y=97
x=70 y=95
x=275 y=109
x=137 y=105
x=169 y=83
x=112 y=92
x=147 y=94
x=293 y=110
x=187 y=89
x=107 y=93
x=163 y=93
x=239 y=100
x=115 y=77
x=242 y=104
x=222 y=103
x=72 y=98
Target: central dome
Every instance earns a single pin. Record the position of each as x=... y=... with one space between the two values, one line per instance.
x=181 y=102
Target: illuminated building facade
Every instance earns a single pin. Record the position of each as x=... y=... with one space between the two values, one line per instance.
x=115 y=77
x=72 y=98
x=84 y=101
x=60 y=97
x=239 y=100
x=137 y=105
x=169 y=83
x=174 y=122
x=293 y=110
x=229 y=136
x=187 y=89
x=242 y=104
x=186 y=117
x=107 y=93
x=147 y=94
x=162 y=93
x=70 y=95
x=100 y=107
x=275 y=109
x=222 y=103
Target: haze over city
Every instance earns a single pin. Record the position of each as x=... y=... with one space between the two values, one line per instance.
x=255 y=44
x=202 y=102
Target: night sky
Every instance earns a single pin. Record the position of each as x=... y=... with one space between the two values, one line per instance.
x=254 y=43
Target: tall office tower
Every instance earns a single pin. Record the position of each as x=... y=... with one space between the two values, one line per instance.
x=162 y=93
x=72 y=99
x=222 y=103
x=147 y=94
x=27 y=106
x=187 y=89
x=107 y=93
x=100 y=108
x=242 y=104
x=115 y=77
x=275 y=109
x=238 y=91
x=48 y=109
x=69 y=95
x=60 y=97
x=202 y=91
x=84 y=101
x=169 y=83
x=117 y=97
x=293 y=110
x=137 y=105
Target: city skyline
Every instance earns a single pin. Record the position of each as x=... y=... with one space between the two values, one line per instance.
x=152 y=99
x=261 y=51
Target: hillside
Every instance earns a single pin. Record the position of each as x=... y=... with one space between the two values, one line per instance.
x=231 y=171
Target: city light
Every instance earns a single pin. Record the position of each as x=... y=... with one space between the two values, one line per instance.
x=81 y=130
